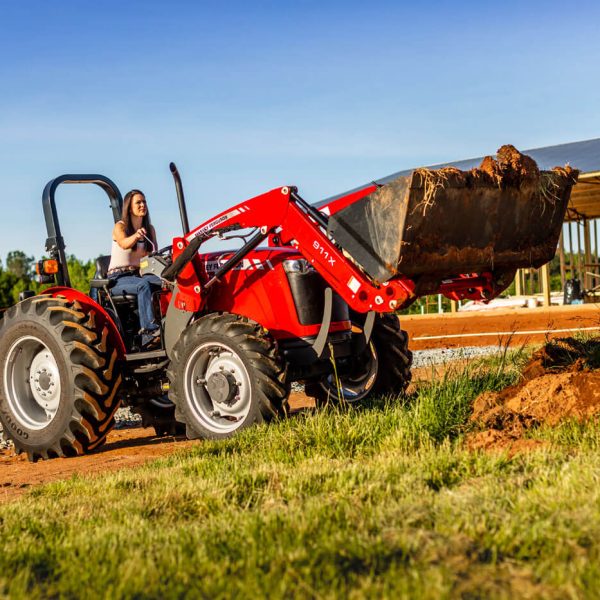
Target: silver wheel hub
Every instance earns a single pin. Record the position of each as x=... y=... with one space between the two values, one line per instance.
x=222 y=388
x=217 y=386
x=45 y=381
x=32 y=382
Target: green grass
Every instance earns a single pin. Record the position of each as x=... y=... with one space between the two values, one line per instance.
x=376 y=502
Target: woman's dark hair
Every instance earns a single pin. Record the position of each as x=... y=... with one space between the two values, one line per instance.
x=126 y=218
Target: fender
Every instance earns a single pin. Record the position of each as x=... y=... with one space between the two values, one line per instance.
x=88 y=304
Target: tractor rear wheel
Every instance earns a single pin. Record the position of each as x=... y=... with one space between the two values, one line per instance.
x=59 y=378
x=226 y=374
x=385 y=362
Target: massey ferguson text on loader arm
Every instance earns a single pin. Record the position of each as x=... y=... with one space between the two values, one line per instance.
x=284 y=214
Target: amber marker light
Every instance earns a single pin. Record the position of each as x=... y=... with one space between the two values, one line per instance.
x=46 y=267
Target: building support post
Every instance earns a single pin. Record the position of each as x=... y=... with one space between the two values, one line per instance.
x=579 y=253
x=561 y=255
x=518 y=288
x=588 y=253
x=546 y=284
x=596 y=256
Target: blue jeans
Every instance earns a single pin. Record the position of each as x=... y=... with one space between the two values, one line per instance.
x=143 y=288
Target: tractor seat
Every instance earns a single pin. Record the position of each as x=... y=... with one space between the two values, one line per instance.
x=101 y=281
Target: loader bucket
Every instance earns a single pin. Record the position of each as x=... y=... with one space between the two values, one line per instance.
x=504 y=215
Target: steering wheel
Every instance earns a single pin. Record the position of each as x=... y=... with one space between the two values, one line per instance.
x=167 y=251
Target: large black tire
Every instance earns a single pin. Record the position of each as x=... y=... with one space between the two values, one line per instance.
x=239 y=356
x=395 y=359
x=59 y=378
x=386 y=366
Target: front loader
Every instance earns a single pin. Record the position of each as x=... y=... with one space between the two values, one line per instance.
x=309 y=296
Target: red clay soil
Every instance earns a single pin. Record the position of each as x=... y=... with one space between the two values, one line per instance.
x=125 y=448
x=560 y=382
x=510 y=164
x=515 y=326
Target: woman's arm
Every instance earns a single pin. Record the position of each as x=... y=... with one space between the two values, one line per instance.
x=127 y=241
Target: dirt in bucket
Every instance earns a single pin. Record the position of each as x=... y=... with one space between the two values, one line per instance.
x=510 y=168
x=560 y=382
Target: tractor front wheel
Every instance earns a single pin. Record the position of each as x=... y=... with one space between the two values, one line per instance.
x=226 y=374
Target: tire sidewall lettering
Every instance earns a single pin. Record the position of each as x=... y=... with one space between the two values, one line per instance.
x=14 y=427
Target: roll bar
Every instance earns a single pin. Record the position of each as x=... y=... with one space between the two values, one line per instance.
x=55 y=245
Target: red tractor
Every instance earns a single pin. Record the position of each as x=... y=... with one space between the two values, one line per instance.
x=309 y=296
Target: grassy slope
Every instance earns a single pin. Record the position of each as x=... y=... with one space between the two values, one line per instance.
x=379 y=502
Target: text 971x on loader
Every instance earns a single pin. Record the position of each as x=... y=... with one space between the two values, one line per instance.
x=309 y=296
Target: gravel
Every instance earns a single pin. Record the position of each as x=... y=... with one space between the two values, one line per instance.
x=125 y=419
x=4 y=444
x=425 y=358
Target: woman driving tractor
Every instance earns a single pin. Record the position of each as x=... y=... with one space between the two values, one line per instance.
x=133 y=238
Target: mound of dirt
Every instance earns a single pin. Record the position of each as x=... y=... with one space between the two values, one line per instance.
x=511 y=167
x=559 y=382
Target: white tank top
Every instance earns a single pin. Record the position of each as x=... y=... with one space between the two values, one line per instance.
x=120 y=257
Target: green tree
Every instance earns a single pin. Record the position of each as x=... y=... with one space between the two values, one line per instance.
x=80 y=273
x=18 y=276
x=21 y=265
x=8 y=281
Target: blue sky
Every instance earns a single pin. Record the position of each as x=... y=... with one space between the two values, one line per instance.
x=247 y=96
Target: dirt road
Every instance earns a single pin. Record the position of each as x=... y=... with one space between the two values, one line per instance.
x=486 y=328
x=124 y=448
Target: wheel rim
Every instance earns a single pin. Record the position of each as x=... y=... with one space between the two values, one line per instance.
x=32 y=382
x=216 y=367
x=354 y=389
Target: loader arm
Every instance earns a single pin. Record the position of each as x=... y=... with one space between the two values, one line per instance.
x=284 y=214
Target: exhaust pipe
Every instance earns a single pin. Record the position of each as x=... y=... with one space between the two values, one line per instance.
x=180 y=199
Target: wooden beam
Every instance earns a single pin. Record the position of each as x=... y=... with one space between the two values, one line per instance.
x=579 y=269
x=589 y=175
x=518 y=288
x=561 y=255
x=588 y=252
x=571 y=275
x=546 y=284
x=596 y=255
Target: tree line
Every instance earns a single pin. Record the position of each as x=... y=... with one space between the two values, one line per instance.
x=17 y=274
